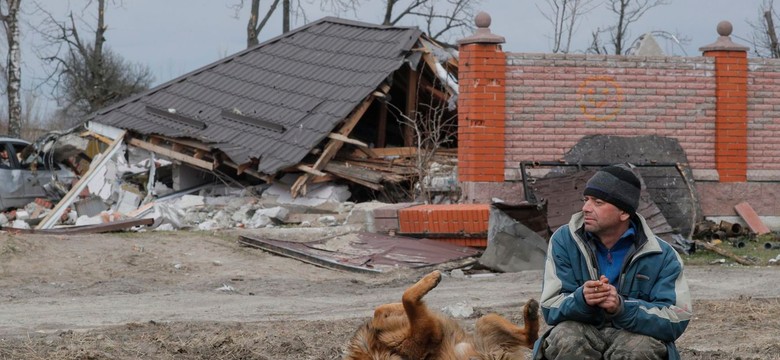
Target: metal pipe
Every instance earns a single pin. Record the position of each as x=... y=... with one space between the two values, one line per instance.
x=771 y=245
x=528 y=196
x=730 y=229
x=737 y=243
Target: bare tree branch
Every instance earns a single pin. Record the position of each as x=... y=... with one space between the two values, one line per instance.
x=628 y=12
x=85 y=76
x=764 y=39
x=563 y=15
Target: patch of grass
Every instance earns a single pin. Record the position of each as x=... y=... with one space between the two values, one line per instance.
x=753 y=249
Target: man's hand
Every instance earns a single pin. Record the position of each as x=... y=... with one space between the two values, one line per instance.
x=602 y=294
x=611 y=299
x=595 y=292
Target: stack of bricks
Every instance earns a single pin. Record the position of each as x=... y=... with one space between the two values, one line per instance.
x=459 y=224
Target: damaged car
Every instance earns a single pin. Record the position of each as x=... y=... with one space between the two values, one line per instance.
x=27 y=173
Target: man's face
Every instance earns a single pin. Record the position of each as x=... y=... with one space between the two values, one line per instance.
x=601 y=217
x=4 y=154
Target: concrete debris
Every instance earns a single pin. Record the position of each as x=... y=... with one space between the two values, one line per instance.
x=226 y=288
x=512 y=247
x=20 y=224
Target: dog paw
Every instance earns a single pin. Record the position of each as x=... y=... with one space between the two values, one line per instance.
x=532 y=309
x=431 y=280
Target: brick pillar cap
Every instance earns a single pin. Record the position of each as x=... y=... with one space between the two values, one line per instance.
x=724 y=42
x=482 y=35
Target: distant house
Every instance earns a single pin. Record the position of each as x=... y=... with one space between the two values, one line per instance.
x=290 y=103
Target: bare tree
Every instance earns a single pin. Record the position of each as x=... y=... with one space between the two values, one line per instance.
x=89 y=76
x=434 y=127
x=255 y=24
x=764 y=36
x=442 y=18
x=9 y=14
x=627 y=13
x=564 y=15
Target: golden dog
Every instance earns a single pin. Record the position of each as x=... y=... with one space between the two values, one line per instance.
x=410 y=331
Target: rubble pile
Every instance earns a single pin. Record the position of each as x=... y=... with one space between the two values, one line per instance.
x=110 y=182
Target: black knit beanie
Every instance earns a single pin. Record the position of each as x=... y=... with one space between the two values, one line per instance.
x=617 y=185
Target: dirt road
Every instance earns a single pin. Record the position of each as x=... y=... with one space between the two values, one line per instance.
x=201 y=295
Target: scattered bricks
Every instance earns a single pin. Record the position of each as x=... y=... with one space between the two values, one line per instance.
x=386 y=217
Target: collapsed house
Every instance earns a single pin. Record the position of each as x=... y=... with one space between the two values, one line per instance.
x=334 y=100
x=291 y=104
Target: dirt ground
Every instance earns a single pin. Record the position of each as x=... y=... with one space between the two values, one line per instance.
x=200 y=295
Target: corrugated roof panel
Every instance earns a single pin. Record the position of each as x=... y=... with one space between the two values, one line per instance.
x=307 y=81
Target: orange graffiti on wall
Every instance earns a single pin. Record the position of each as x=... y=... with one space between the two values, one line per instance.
x=600 y=98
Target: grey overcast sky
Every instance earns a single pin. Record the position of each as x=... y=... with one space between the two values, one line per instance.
x=174 y=37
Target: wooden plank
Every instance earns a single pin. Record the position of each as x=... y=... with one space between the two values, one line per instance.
x=249 y=171
x=368 y=152
x=172 y=154
x=347 y=140
x=356 y=172
x=747 y=213
x=411 y=108
x=381 y=130
x=52 y=217
x=333 y=146
x=322 y=179
x=395 y=151
x=310 y=170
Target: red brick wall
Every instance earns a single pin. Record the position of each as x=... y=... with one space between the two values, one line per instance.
x=763 y=113
x=554 y=100
x=481 y=114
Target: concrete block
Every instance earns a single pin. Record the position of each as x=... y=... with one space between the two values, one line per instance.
x=512 y=247
x=384 y=225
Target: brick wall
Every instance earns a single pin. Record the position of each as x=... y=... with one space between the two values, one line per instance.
x=554 y=100
x=722 y=108
x=763 y=113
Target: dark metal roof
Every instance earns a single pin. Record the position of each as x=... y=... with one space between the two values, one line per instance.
x=275 y=101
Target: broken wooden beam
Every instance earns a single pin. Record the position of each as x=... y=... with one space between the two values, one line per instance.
x=346 y=139
x=310 y=170
x=52 y=217
x=723 y=252
x=157 y=149
x=333 y=146
x=249 y=171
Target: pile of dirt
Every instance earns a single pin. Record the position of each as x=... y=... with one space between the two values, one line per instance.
x=200 y=295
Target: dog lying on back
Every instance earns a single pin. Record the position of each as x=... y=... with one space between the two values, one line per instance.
x=410 y=331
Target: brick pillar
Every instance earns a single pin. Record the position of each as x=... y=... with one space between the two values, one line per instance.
x=481 y=105
x=730 y=105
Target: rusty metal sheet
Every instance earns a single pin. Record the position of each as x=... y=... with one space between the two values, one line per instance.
x=366 y=252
